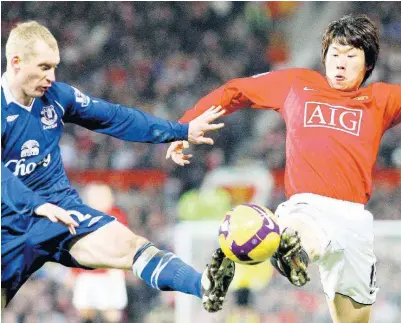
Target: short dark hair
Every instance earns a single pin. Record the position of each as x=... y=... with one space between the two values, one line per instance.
x=355 y=30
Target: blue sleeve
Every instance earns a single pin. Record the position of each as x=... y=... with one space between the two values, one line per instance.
x=16 y=195
x=118 y=121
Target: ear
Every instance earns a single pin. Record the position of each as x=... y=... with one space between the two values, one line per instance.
x=16 y=63
x=368 y=68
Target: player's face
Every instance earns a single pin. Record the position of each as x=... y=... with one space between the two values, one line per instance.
x=37 y=71
x=345 y=67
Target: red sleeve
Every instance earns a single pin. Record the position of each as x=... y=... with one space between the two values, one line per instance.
x=393 y=111
x=262 y=91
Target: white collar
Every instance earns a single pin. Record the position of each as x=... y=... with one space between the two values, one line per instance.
x=9 y=96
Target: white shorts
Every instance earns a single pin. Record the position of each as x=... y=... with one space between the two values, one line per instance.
x=344 y=231
x=100 y=291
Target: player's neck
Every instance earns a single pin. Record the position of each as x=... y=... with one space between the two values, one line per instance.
x=16 y=90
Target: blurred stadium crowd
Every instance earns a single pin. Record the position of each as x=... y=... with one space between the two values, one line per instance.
x=162 y=57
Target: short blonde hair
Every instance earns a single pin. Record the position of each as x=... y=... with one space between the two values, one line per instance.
x=23 y=36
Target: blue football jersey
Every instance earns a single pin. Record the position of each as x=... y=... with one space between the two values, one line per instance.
x=32 y=169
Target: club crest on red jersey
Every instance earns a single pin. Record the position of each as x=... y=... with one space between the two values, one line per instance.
x=323 y=115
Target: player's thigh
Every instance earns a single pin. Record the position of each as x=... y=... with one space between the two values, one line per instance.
x=111 y=246
x=22 y=238
x=301 y=218
x=345 y=310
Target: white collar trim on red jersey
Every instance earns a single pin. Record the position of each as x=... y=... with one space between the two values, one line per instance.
x=9 y=96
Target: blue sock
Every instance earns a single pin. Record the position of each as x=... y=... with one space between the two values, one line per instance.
x=165 y=271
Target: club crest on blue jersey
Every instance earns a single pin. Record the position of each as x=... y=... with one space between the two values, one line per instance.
x=49 y=117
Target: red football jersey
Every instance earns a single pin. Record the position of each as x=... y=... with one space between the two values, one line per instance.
x=332 y=136
x=122 y=218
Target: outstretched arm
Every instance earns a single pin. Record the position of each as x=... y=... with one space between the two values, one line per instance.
x=122 y=122
x=132 y=124
x=262 y=91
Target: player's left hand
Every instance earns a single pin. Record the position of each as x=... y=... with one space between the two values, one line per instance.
x=202 y=124
x=57 y=214
x=176 y=153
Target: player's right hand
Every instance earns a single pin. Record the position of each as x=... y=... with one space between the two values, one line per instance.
x=55 y=214
x=197 y=129
x=202 y=124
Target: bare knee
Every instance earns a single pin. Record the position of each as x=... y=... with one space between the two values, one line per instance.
x=345 y=310
x=111 y=246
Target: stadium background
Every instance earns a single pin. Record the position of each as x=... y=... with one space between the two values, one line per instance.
x=162 y=57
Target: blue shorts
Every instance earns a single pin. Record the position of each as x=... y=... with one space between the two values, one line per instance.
x=27 y=242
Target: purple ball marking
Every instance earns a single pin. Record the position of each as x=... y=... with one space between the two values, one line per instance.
x=264 y=215
x=242 y=251
x=225 y=233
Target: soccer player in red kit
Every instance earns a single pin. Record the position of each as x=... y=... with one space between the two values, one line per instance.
x=334 y=127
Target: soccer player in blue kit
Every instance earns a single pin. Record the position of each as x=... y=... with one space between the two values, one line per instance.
x=42 y=217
